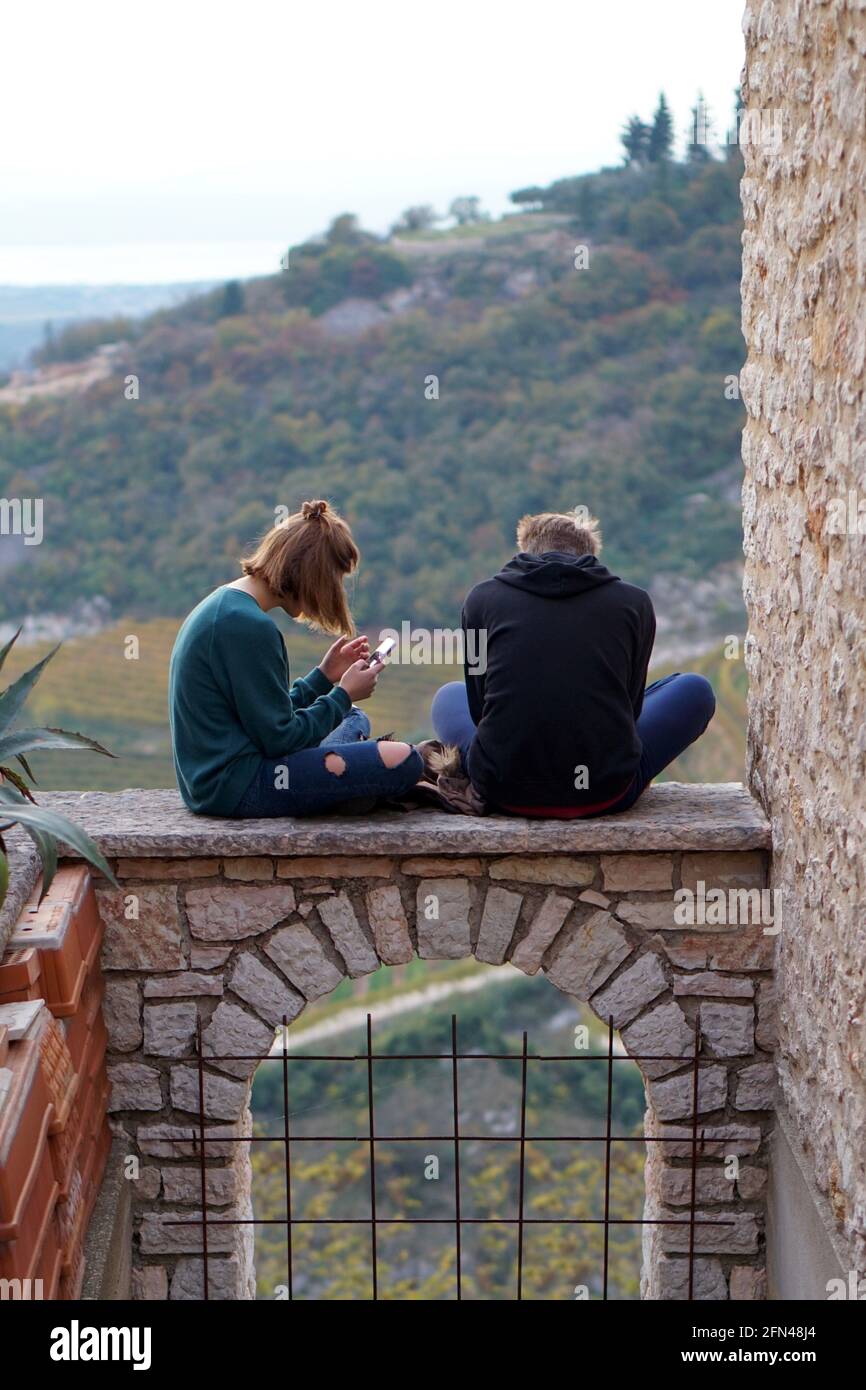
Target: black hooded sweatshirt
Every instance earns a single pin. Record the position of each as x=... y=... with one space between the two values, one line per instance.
x=561 y=650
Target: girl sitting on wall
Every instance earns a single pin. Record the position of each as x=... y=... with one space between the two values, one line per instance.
x=246 y=743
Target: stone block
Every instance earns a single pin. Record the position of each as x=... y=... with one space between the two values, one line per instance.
x=121 y=1009
x=249 y=869
x=637 y=873
x=147 y=1184
x=543 y=930
x=650 y=916
x=160 y=1233
x=586 y=954
x=706 y=984
x=625 y=996
x=673 y=1099
x=142 y=929
x=728 y=1029
x=498 y=920
x=208 y=957
x=169 y=870
x=169 y=1029
x=267 y=993
x=752 y=1184
x=746 y=948
x=443 y=919
x=389 y=926
x=234 y=1032
x=187 y=984
x=671 y=1277
x=748 y=1284
x=750 y=949
x=562 y=870
x=429 y=867
x=224 y=1099
x=183 y=1185
x=596 y=899
x=336 y=866
x=756 y=1087
x=716 y=1233
x=345 y=931
x=225 y=1281
x=134 y=1087
x=663 y=1032
x=711 y=1186
x=179 y=1141
x=231 y=912
x=766 y=1025
x=717 y=1141
x=299 y=954
x=741 y=870
x=150 y=1284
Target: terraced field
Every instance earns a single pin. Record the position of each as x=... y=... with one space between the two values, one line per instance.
x=92 y=686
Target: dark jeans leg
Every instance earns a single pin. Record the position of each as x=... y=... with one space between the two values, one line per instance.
x=676 y=711
x=452 y=722
x=301 y=784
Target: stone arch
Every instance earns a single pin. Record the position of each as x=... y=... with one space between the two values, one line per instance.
x=225 y=948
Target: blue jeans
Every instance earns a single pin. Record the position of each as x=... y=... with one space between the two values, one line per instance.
x=676 y=711
x=301 y=785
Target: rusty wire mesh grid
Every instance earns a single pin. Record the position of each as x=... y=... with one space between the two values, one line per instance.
x=458 y=1220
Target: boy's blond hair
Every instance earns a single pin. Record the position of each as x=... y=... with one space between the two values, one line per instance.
x=575 y=532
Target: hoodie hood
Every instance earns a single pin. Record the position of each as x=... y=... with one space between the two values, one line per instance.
x=555 y=574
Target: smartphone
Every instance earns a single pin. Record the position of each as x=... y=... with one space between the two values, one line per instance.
x=383 y=651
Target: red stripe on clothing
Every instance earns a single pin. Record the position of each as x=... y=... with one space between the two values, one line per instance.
x=567 y=812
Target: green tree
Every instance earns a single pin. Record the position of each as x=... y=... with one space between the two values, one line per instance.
x=661 y=136
x=345 y=230
x=419 y=218
x=652 y=223
x=699 y=133
x=466 y=210
x=232 y=300
x=635 y=140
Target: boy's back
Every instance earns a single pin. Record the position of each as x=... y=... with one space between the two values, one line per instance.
x=567 y=647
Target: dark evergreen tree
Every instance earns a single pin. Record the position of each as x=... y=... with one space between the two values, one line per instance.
x=699 y=132
x=232 y=300
x=635 y=140
x=661 y=136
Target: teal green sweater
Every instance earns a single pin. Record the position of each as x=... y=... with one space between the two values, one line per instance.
x=230 y=702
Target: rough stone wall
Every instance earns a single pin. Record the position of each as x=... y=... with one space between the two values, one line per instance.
x=804 y=448
x=236 y=944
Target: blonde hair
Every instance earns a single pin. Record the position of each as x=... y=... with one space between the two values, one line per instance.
x=575 y=532
x=306 y=558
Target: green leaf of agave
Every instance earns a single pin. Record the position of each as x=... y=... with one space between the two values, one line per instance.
x=13 y=808
x=17 y=781
x=9 y=645
x=47 y=847
x=28 y=770
x=12 y=700
x=32 y=740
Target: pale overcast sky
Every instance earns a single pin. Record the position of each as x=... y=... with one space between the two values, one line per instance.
x=176 y=140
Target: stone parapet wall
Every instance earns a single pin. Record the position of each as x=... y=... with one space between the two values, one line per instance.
x=241 y=944
x=228 y=928
x=804 y=501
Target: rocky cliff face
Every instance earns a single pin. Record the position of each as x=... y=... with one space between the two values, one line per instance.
x=804 y=448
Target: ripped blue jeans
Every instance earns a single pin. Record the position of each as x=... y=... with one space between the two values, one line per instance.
x=300 y=784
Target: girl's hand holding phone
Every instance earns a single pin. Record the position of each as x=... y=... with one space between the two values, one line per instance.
x=359 y=681
x=345 y=652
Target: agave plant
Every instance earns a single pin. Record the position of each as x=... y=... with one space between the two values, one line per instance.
x=17 y=803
